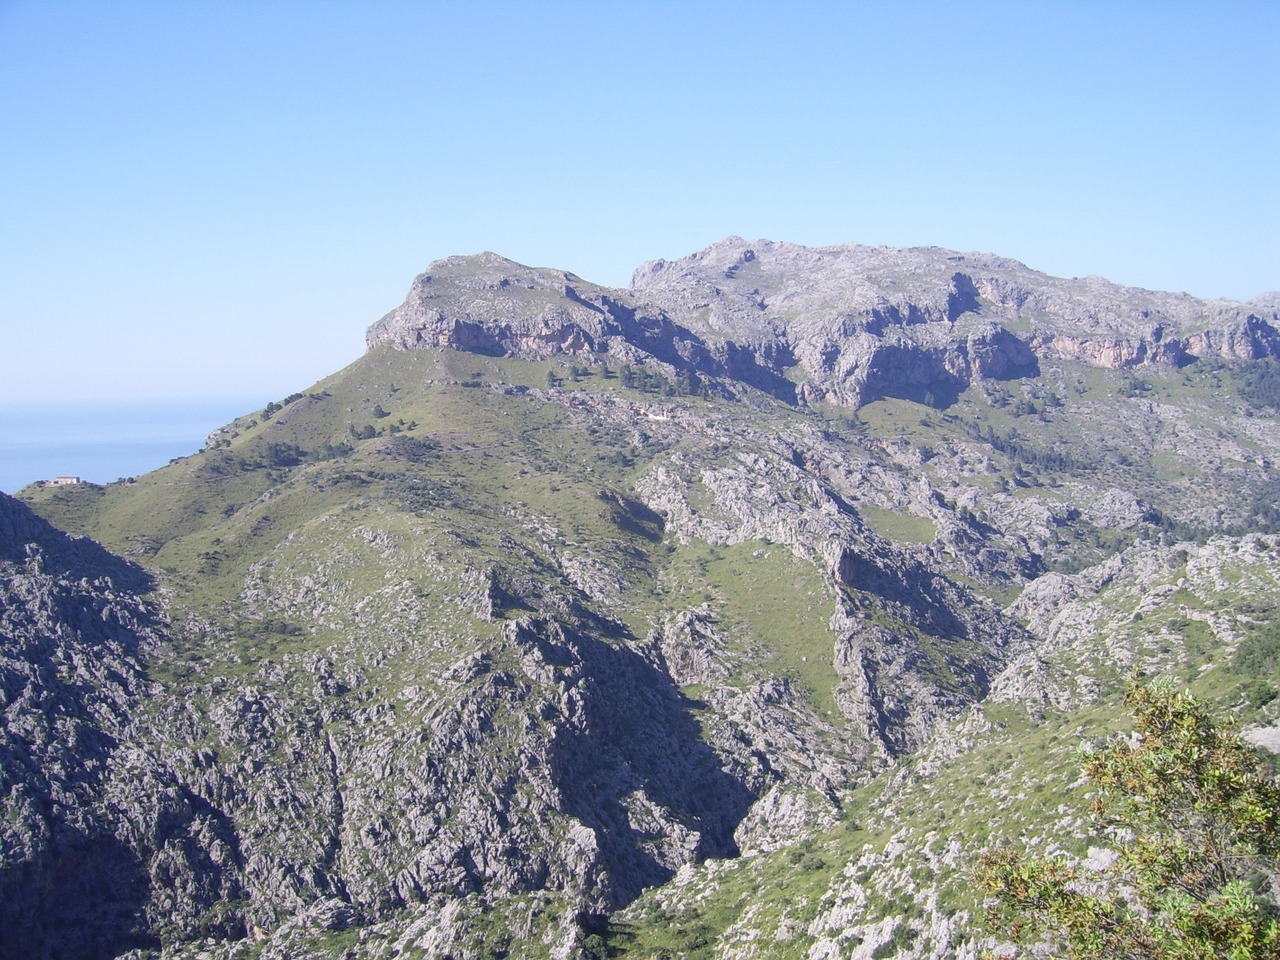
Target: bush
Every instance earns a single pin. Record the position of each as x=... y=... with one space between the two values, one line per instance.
x=1196 y=819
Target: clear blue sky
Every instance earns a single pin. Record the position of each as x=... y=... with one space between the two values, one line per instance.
x=214 y=198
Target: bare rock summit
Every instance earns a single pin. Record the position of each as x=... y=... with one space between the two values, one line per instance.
x=845 y=324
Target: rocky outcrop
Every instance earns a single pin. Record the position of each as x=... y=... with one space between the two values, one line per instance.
x=909 y=645
x=867 y=322
x=846 y=324
x=101 y=844
x=489 y=305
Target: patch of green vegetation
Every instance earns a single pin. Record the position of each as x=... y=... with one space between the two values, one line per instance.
x=1002 y=593
x=897 y=418
x=768 y=603
x=1261 y=385
x=1257 y=661
x=898 y=526
x=71 y=508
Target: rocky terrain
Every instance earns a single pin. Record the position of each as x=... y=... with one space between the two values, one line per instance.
x=846 y=324
x=729 y=615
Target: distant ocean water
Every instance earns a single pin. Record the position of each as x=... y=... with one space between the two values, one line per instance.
x=104 y=441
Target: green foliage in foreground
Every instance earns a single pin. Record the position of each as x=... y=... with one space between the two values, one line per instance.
x=1194 y=878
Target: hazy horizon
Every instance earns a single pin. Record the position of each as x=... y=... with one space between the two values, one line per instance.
x=103 y=442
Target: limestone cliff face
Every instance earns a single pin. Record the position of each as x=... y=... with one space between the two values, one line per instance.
x=865 y=322
x=489 y=305
x=492 y=306
x=845 y=324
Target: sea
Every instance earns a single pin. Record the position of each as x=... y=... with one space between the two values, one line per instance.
x=103 y=441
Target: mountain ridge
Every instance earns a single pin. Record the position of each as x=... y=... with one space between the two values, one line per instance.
x=848 y=324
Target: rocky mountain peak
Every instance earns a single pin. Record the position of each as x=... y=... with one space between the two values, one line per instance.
x=802 y=289
x=488 y=304
x=849 y=324
x=492 y=306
